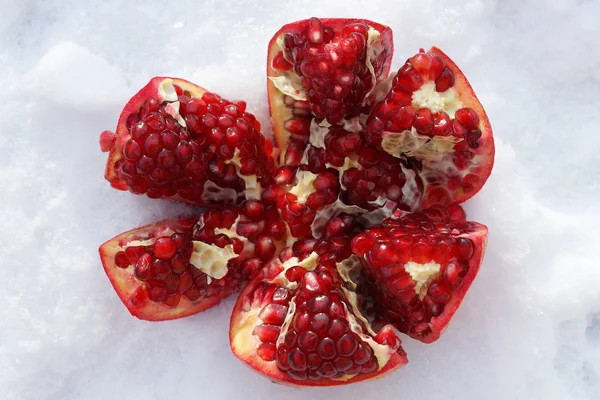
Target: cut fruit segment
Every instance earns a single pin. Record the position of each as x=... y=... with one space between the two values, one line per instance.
x=177 y=141
x=432 y=114
x=419 y=267
x=300 y=323
x=180 y=267
x=323 y=68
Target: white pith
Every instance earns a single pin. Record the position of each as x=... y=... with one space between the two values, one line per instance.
x=287 y=82
x=428 y=97
x=318 y=133
x=367 y=218
x=373 y=49
x=216 y=194
x=211 y=259
x=253 y=187
x=352 y=125
x=304 y=185
x=437 y=151
x=422 y=275
x=167 y=92
x=347 y=269
x=164 y=232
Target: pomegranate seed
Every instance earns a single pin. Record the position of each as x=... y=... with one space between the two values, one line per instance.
x=132 y=150
x=142 y=267
x=160 y=269
x=464 y=248
x=172 y=300
x=266 y=333
x=267 y=351
x=468 y=118
x=273 y=314
x=253 y=210
x=121 y=260
x=438 y=293
x=155 y=122
x=422 y=251
x=265 y=248
x=423 y=122
x=445 y=81
x=107 y=141
x=346 y=345
x=441 y=124
x=157 y=291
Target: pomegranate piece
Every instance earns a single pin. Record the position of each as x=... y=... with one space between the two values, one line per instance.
x=300 y=324
x=324 y=69
x=180 y=267
x=419 y=268
x=177 y=141
x=432 y=114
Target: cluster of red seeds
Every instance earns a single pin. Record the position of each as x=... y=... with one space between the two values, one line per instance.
x=164 y=158
x=333 y=70
x=420 y=238
x=164 y=268
x=318 y=343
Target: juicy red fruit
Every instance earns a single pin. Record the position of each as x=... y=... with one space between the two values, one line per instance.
x=190 y=145
x=297 y=325
x=419 y=268
x=157 y=270
x=332 y=66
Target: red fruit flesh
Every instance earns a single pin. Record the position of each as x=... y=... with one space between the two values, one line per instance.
x=175 y=140
x=328 y=69
x=177 y=268
x=432 y=114
x=300 y=324
x=420 y=267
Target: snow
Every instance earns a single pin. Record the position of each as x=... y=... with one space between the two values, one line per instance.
x=530 y=326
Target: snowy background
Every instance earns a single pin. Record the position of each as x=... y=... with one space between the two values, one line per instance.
x=530 y=327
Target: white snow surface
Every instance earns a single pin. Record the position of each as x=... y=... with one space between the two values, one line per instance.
x=530 y=325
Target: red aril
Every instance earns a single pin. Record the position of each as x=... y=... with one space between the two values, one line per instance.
x=175 y=140
x=419 y=267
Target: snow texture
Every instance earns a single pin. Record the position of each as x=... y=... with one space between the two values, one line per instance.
x=530 y=326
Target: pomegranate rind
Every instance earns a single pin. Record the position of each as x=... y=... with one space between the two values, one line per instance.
x=244 y=345
x=133 y=105
x=277 y=110
x=486 y=150
x=130 y=290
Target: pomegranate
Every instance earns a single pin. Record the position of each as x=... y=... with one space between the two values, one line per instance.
x=352 y=236
x=419 y=267
x=180 y=267
x=300 y=323
x=431 y=114
x=177 y=141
